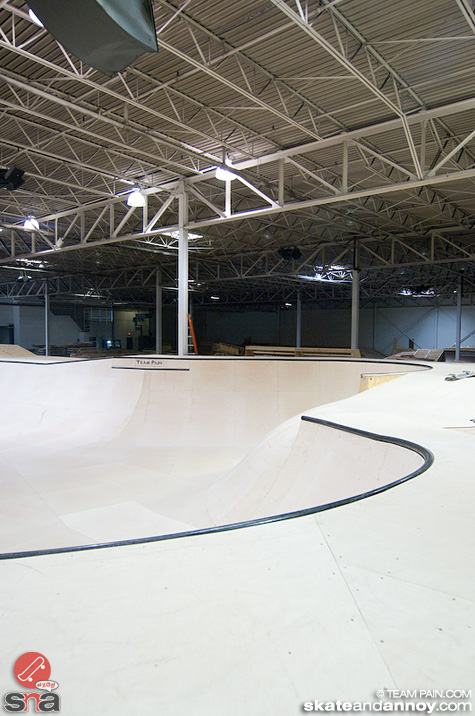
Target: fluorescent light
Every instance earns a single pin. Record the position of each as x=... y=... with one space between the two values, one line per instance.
x=224 y=174
x=35 y=18
x=421 y=293
x=176 y=235
x=89 y=295
x=29 y=262
x=33 y=262
x=31 y=224
x=215 y=298
x=330 y=274
x=136 y=198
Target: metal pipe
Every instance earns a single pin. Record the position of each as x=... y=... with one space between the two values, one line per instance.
x=355 y=296
x=298 y=338
x=458 y=326
x=182 y=273
x=355 y=308
x=158 y=312
x=47 y=326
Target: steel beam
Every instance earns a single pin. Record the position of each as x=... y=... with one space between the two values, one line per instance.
x=47 y=326
x=182 y=272
x=158 y=313
x=458 y=324
x=298 y=336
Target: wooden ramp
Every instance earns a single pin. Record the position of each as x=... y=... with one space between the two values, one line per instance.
x=8 y=350
x=376 y=593
x=282 y=351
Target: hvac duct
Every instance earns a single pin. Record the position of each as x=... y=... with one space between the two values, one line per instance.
x=106 y=34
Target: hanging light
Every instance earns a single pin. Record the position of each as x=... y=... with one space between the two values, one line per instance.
x=136 y=198
x=35 y=18
x=224 y=174
x=31 y=224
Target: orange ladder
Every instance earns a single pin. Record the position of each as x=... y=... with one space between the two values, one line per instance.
x=191 y=337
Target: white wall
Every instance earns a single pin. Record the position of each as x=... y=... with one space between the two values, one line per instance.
x=29 y=326
x=380 y=328
x=236 y=327
x=6 y=315
x=6 y=320
x=124 y=324
x=429 y=327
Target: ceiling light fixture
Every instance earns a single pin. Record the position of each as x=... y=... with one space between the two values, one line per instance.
x=136 y=198
x=31 y=224
x=31 y=262
x=418 y=292
x=35 y=18
x=176 y=235
x=330 y=274
x=224 y=174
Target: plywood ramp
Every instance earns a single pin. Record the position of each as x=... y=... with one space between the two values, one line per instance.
x=369 y=381
x=321 y=465
x=117 y=449
x=13 y=351
x=370 y=596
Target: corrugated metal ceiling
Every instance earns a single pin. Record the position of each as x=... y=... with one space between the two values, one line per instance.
x=246 y=80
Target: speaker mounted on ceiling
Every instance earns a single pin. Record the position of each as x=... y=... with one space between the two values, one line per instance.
x=11 y=178
x=106 y=34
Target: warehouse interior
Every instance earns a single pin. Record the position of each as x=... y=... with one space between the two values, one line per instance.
x=349 y=133
x=275 y=517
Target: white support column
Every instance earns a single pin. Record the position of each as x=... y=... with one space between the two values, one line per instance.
x=182 y=272
x=46 y=319
x=355 y=308
x=145 y=214
x=281 y=181
x=228 y=198
x=112 y=317
x=375 y=316
x=298 y=337
x=158 y=313
x=423 y=146
x=355 y=297
x=458 y=326
x=344 y=179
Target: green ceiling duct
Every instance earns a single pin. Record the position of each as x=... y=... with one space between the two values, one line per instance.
x=106 y=34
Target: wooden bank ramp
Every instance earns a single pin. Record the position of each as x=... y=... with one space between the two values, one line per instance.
x=295 y=603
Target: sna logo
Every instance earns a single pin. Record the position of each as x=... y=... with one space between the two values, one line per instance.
x=32 y=671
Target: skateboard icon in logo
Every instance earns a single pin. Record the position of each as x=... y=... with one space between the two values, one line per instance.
x=32 y=671
x=30 y=668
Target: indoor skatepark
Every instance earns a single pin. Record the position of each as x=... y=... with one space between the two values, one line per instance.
x=146 y=446
x=210 y=504
x=374 y=593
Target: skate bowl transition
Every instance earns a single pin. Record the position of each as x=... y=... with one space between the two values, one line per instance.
x=236 y=536
x=112 y=450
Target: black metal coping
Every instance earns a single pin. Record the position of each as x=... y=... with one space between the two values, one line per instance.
x=426 y=455
x=300 y=359
x=144 y=367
